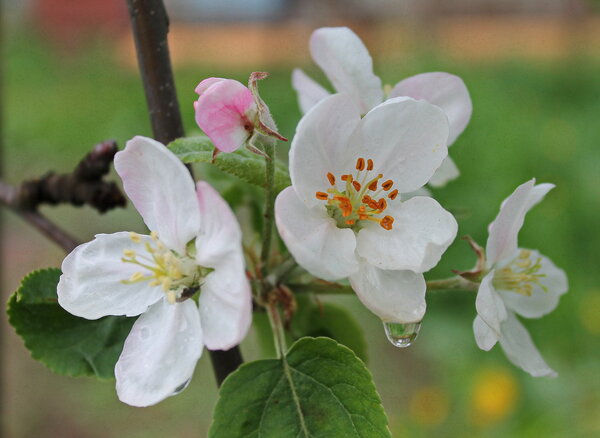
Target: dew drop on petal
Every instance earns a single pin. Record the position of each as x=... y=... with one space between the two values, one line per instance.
x=402 y=335
x=144 y=333
x=181 y=387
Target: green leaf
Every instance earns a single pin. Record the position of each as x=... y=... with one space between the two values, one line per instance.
x=65 y=343
x=242 y=163
x=320 y=389
x=314 y=318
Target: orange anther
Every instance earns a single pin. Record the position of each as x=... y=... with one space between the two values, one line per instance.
x=360 y=164
x=366 y=199
x=373 y=185
x=347 y=178
x=386 y=222
x=369 y=164
x=393 y=194
x=322 y=196
x=350 y=222
x=387 y=185
x=331 y=178
x=363 y=217
x=356 y=185
x=382 y=204
x=361 y=209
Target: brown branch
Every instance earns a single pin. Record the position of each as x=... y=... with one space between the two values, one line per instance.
x=150 y=25
x=8 y=197
x=85 y=185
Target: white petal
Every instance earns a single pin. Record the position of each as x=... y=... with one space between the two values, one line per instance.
x=226 y=305
x=160 y=353
x=346 y=61
x=394 y=296
x=422 y=231
x=444 y=90
x=489 y=304
x=446 y=172
x=321 y=146
x=91 y=283
x=220 y=235
x=541 y=301
x=484 y=335
x=313 y=238
x=504 y=230
x=520 y=349
x=309 y=92
x=406 y=140
x=161 y=189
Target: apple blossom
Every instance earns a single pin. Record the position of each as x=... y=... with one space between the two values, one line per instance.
x=343 y=215
x=226 y=112
x=346 y=62
x=194 y=245
x=517 y=281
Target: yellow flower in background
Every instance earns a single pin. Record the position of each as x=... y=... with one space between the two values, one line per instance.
x=494 y=396
x=429 y=406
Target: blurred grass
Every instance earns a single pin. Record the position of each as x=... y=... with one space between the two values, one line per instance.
x=530 y=119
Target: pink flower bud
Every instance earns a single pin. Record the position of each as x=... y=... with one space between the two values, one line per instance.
x=226 y=112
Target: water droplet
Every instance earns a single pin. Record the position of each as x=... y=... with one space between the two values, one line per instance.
x=181 y=387
x=402 y=335
x=144 y=333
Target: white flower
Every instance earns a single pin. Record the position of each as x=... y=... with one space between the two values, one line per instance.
x=520 y=281
x=195 y=244
x=346 y=62
x=343 y=215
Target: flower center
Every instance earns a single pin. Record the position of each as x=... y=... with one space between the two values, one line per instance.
x=178 y=275
x=520 y=275
x=361 y=200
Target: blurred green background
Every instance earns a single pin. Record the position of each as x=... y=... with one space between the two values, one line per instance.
x=533 y=117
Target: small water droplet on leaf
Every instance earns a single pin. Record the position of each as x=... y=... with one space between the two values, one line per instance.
x=402 y=335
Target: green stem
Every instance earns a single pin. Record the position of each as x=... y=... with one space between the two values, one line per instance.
x=452 y=283
x=269 y=149
x=277 y=327
x=448 y=284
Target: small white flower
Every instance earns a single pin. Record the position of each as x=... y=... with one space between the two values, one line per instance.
x=195 y=244
x=343 y=215
x=346 y=62
x=520 y=281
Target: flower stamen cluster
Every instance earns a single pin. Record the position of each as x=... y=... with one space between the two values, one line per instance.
x=173 y=272
x=355 y=203
x=520 y=275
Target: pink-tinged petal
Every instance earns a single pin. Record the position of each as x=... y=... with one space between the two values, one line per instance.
x=225 y=112
x=422 y=230
x=446 y=172
x=346 y=61
x=489 y=304
x=309 y=92
x=504 y=230
x=485 y=337
x=220 y=236
x=394 y=296
x=541 y=301
x=405 y=138
x=91 y=285
x=313 y=238
x=161 y=189
x=160 y=353
x=321 y=146
x=226 y=305
x=206 y=84
x=444 y=90
x=520 y=349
